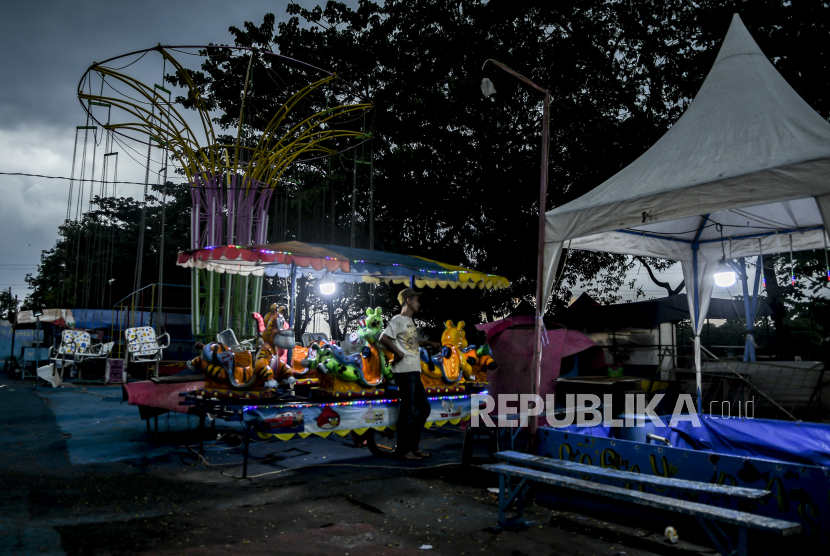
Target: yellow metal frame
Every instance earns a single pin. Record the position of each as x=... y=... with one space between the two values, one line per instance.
x=162 y=122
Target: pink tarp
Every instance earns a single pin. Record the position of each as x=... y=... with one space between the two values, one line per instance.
x=513 y=351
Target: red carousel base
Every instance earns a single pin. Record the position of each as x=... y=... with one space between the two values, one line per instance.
x=374 y=393
x=444 y=390
x=236 y=394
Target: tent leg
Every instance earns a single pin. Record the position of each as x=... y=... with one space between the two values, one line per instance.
x=749 y=354
x=698 y=377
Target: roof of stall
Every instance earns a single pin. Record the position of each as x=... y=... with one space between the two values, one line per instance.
x=341 y=264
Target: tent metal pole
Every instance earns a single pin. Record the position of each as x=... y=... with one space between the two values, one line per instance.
x=540 y=263
x=695 y=324
x=753 y=308
x=698 y=380
x=749 y=351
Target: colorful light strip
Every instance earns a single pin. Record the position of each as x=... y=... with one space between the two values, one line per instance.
x=267 y=251
x=353 y=402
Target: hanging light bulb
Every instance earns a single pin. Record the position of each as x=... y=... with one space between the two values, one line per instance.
x=724 y=275
x=487 y=88
x=327 y=288
x=327 y=284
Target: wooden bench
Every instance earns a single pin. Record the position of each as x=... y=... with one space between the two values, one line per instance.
x=582 y=471
x=708 y=516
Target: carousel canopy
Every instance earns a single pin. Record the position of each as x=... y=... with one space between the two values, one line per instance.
x=341 y=264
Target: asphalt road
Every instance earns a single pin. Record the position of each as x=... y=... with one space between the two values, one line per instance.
x=113 y=488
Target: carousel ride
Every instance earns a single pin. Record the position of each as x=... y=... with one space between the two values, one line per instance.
x=247 y=355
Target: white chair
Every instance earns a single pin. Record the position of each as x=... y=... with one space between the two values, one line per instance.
x=75 y=348
x=143 y=346
x=97 y=351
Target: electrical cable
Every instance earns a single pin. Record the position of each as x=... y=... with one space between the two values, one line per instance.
x=341 y=465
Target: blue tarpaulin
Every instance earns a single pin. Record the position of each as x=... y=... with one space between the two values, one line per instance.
x=807 y=443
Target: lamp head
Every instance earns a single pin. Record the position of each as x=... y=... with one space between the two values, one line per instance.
x=487 y=88
x=327 y=286
x=724 y=275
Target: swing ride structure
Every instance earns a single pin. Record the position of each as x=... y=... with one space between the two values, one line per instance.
x=232 y=180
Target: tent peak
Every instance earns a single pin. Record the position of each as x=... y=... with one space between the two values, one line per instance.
x=738 y=42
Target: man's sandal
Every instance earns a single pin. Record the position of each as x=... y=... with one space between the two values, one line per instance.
x=421 y=454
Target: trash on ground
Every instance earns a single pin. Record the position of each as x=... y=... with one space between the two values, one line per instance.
x=426 y=547
x=671 y=534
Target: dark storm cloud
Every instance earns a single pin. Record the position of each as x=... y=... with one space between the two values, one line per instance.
x=46 y=47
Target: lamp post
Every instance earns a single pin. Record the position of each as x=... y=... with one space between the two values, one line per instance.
x=487 y=89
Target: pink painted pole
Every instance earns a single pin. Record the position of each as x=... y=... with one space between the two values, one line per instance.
x=540 y=262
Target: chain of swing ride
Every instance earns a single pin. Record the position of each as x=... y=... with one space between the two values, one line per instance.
x=99 y=237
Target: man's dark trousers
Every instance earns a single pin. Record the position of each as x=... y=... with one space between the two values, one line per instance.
x=414 y=411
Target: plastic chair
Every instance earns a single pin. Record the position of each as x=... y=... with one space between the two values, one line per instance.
x=72 y=341
x=143 y=346
x=97 y=351
x=75 y=348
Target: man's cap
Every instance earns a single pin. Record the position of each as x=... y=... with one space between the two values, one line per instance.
x=406 y=294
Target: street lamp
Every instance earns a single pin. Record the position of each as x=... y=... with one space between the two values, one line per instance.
x=488 y=89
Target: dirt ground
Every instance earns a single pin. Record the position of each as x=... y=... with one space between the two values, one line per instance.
x=303 y=497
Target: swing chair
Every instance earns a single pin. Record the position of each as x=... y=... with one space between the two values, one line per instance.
x=143 y=346
x=77 y=345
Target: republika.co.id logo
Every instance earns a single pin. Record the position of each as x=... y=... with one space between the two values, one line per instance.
x=585 y=410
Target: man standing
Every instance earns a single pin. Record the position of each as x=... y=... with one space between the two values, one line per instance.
x=401 y=338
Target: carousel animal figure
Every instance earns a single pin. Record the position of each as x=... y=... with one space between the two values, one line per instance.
x=443 y=372
x=480 y=362
x=274 y=336
x=368 y=336
x=346 y=375
x=227 y=371
x=359 y=374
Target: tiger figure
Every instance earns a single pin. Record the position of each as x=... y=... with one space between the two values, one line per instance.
x=267 y=359
x=224 y=369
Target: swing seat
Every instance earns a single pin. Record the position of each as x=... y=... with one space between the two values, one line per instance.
x=73 y=343
x=97 y=351
x=143 y=346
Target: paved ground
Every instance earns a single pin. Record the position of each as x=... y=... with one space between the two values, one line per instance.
x=112 y=488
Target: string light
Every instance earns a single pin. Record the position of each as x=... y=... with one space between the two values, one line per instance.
x=349 y=403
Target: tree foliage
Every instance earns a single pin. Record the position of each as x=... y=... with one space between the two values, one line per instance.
x=94 y=261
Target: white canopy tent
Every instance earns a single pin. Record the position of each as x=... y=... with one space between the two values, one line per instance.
x=744 y=171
